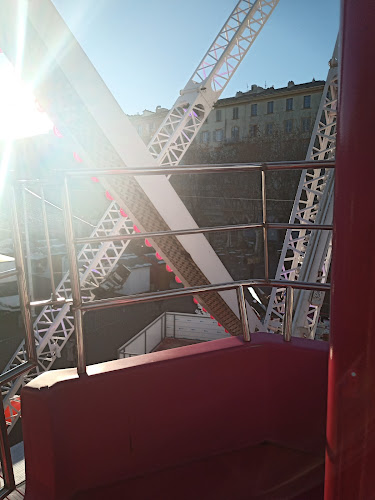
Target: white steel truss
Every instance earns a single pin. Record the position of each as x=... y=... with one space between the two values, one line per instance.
x=53 y=327
x=306 y=255
x=210 y=78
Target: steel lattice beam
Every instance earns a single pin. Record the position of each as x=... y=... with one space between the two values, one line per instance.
x=210 y=78
x=307 y=254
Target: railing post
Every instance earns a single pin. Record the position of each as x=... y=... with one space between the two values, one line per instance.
x=22 y=285
x=48 y=244
x=288 y=315
x=28 y=250
x=74 y=280
x=264 y=222
x=243 y=314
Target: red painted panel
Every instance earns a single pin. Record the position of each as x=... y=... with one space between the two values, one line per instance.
x=131 y=417
x=350 y=461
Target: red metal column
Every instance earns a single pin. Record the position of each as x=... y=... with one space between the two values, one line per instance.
x=350 y=457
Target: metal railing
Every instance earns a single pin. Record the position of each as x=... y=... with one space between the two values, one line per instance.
x=25 y=306
x=79 y=308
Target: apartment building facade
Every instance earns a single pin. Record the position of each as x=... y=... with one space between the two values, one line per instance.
x=263 y=121
x=270 y=113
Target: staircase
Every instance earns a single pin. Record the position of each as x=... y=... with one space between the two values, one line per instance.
x=172 y=325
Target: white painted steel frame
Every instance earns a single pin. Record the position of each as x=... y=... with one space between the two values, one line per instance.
x=218 y=65
x=306 y=254
x=53 y=327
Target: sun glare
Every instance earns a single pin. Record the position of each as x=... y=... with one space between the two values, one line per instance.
x=19 y=114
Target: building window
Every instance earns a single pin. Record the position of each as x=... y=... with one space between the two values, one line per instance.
x=139 y=129
x=269 y=107
x=235 y=133
x=254 y=109
x=307 y=101
x=205 y=137
x=289 y=104
x=235 y=113
x=306 y=123
x=269 y=128
x=219 y=135
x=218 y=115
x=288 y=126
x=253 y=131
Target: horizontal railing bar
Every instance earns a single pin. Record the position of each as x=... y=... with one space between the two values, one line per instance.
x=203 y=169
x=307 y=227
x=183 y=292
x=199 y=230
x=176 y=232
x=8 y=274
x=16 y=372
x=51 y=302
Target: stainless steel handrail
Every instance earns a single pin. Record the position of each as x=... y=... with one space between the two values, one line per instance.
x=79 y=308
x=9 y=482
x=203 y=169
x=288 y=316
x=48 y=244
x=264 y=225
x=200 y=230
x=184 y=292
x=74 y=278
x=22 y=285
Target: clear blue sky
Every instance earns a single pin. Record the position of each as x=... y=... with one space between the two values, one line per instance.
x=147 y=50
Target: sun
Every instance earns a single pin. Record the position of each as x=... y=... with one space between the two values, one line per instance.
x=19 y=113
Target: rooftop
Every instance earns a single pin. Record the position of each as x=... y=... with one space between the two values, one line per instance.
x=257 y=92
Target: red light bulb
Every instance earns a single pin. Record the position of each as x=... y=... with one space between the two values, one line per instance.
x=39 y=107
x=77 y=157
x=57 y=132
